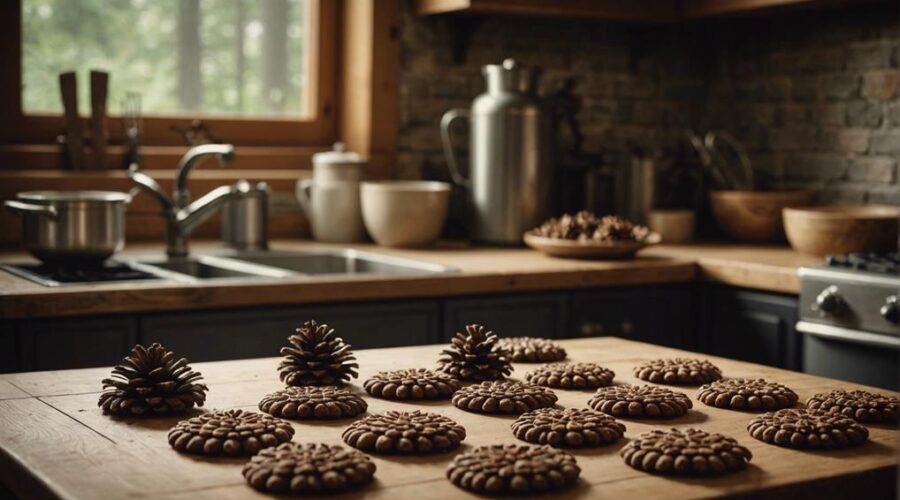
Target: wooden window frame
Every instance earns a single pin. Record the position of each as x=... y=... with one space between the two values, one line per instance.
x=319 y=130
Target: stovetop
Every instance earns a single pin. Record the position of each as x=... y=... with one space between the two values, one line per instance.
x=49 y=275
x=868 y=262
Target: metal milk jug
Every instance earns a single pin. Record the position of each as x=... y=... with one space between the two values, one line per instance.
x=509 y=180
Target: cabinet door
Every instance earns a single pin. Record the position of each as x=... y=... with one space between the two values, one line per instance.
x=390 y=324
x=751 y=326
x=75 y=343
x=656 y=314
x=525 y=315
x=9 y=351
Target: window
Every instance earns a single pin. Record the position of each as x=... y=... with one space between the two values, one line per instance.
x=255 y=72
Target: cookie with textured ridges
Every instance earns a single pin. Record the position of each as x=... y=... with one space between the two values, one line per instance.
x=308 y=468
x=417 y=383
x=747 y=394
x=862 y=406
x=568 y=428
x=688 y=452
x=503 y=396
x=532 y=349
x=313 y=402
x=404 y=432
x=678 y=371
x=814 y=429
x=513 y=469
x=229 y=432
x=640 y=401
x=571 y=376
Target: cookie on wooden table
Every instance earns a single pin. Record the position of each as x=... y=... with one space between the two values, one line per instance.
x=313 y=402
x=862 y=406
x=640 y=401
x=814 y=429
x=229 y=432
x=567 y=428
x=678 y=371
x=532 y=349
x=747 y=394
x=404 y=432
x=503 y=396
x=308 y=468
x=571 y=376
x=414 y=384
x=513 y=469
x=688 y=452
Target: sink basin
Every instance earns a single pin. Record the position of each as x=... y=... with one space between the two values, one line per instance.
x=340 y=261
x=207 y=267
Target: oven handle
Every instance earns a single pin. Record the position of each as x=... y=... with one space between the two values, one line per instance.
x=851 y=336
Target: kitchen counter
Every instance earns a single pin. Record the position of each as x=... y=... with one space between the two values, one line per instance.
x=55 y=443
x=481 y=270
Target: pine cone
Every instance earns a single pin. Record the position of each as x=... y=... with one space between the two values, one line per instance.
x=150 y=381
x=475 y=355
x=316 y=358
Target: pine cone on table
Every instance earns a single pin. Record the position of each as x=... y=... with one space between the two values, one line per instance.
x=316 y=357
x=475 y=355
x=151 y=381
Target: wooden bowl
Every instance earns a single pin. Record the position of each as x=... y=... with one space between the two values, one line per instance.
x=840 y=229
x=754 y=216
x=595 y=250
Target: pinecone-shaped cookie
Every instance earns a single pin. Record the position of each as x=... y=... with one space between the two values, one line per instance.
x=503 y=396
x=151 y=381
x=404 y=432
x=532 y=349
x=316 y=357
x=812 y=429
x=313 y=403
x=229 y=432
x=475 y=355
x=417 y=383
x=688 y=452
x=309 y=468
x=504 y=469
x=567 y=428
x=862 y=406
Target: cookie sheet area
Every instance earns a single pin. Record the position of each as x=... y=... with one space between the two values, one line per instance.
x=135 y=459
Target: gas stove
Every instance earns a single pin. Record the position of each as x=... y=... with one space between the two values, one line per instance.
x=50 y=275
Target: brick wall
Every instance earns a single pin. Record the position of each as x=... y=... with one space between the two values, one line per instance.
x=815 y=96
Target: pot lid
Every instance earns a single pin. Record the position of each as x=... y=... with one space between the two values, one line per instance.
x=72 y=196
x=337 y=155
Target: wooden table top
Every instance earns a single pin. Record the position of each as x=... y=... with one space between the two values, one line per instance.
x=481 y=270
x=54 y=441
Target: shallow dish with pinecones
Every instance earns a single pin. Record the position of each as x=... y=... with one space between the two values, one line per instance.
x=587 y=236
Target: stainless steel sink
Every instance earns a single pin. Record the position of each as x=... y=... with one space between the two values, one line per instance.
x=205 y=267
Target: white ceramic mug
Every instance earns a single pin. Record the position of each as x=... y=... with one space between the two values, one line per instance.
x=333 y=210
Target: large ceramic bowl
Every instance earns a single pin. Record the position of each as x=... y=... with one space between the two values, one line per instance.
x=754 y=216
x=404 y=213
x=840 y=229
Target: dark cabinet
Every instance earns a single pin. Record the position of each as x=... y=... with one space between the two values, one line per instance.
x=523 y=315
x=657 y=314
x=750 y=326
x=75 y=343
x=9 y=355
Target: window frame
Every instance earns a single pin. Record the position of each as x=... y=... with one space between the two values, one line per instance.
x=319 y=130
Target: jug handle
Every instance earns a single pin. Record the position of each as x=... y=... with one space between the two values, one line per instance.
x=446 y=122
x=303 y=195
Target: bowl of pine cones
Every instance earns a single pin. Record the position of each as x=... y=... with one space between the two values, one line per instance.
x=585 y=235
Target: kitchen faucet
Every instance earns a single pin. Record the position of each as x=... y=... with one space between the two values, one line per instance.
x=182 y=215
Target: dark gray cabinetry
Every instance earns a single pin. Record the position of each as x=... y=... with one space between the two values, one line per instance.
x=9 y=356
x=530 y=315
x=657 y=314
x=74 y=343
x=750 y=326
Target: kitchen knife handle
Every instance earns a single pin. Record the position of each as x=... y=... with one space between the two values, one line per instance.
x=99 y=91
x=74 y=139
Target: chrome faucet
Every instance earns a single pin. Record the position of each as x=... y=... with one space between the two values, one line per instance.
x=180 y=214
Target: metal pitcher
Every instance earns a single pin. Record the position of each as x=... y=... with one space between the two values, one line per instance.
x=509 y=155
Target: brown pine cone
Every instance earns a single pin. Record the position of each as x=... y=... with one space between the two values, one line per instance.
x=862 y=406
x=747 y=394
x=532 y=349
x=640 y=401
x=313 y=403
x=688 y=452
x=229 y=432
x=404 y=433
x=308 y=468
x=413 y=384
x=571 y=376
x=572 y=427
x=475 y=355
x=519 y=469
x=151 y=381
x=504 y=396
x=316 y=357
x=807 y=429
x=678 y=371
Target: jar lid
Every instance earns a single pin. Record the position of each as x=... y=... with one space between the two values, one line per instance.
x=338 y=154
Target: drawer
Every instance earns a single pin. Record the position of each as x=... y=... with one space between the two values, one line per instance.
x=75 y=343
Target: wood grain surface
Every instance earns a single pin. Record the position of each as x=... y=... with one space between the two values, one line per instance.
x=55 y=443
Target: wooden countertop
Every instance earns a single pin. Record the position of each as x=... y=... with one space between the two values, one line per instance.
x=481 y=270
x=55 y=443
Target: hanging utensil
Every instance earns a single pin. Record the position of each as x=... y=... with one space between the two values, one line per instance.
x=731 y=158
x=99 y=89
x=68 y=87
x=133 y=124
x=706 y=160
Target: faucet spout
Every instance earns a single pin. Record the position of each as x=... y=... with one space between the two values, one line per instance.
x=183 y=221
x=191 y=159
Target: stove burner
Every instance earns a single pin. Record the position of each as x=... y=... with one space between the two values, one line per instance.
x=888 y=263
x=53 y=275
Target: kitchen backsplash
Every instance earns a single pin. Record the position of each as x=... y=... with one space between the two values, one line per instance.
x=814 y=95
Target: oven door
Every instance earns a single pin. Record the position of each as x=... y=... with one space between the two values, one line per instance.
x=852 y=355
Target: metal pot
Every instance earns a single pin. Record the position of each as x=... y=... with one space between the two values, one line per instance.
x=72 y=227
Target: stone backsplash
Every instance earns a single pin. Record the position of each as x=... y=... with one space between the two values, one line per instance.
x=813 y=95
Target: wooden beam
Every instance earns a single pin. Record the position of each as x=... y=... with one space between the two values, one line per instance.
x=613 y=10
